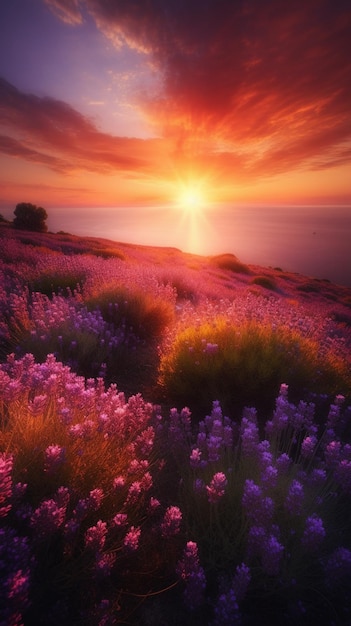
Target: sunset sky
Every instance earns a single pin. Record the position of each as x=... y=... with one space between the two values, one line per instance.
x=144 y=102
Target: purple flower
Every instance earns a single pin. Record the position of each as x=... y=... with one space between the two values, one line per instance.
x=171 y=521
x=271 y=553
x=343 y=475
x=338 y=567
x=216 y=488
x=226 y=610
x=308 y=447
x=241 y=581
x=294 y=499
x=191 y=572
x=258 y=509
x=314 y=533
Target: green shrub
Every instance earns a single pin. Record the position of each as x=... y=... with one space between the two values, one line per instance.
x=264 y=281
x=109 y=253
x=50 y=283
x=243 y=366
x=230 y=262
x=144 y=313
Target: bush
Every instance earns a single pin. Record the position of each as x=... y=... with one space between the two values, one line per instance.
x=146 y=315
x=50 y=283
x=230 y=262
x=243 y=365
x=264 y=281
x=80 y=520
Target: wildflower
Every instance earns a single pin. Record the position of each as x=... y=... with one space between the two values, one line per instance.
x=343 y=475
x=153 y=504
x=216 y=488
x=283 y=463
x=104 y=563
x=258 y=509
x=131 y=540
x=191 y=572
x=95 y=536
x=171 y=522
x=6 y=463
x=332 y=453
x=47 y=518
x=308 y=447
x=95 y=499
x=120 y=519
x=294 y=499
x=54 y=458
x=195 y=458
x=226 y=611
x=269 y=476
x=255 y=539
x=314 y=533
x=241 y=581
x=134 y=492
x=272 y=552
x=338 y=567
x=119 y=482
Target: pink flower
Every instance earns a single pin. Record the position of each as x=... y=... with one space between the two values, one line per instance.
x=131 y=540
x=95 y=536
x=171 y=522
x=216 y=488
x=6 y=463
x=54 y=457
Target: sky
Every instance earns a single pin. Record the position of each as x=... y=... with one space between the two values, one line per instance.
x=153 y=102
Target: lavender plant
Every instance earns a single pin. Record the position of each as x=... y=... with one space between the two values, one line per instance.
x=269 y=514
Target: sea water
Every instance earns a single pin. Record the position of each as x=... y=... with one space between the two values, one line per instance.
x=311 y=240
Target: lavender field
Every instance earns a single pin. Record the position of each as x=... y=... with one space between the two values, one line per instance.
x=175 y=442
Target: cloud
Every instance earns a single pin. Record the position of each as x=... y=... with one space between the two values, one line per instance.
x=51 y=132
x=265 y=85
x=67 y=10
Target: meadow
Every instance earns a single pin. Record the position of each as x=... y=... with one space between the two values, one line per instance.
x=175 y=438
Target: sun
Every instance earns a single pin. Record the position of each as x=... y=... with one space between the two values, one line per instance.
x=191 y=198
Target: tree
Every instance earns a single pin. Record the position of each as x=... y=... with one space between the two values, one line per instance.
x=30 y=217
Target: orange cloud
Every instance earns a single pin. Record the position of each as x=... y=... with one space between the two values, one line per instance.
x=262 y=86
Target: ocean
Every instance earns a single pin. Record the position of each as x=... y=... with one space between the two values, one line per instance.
x=311 y=240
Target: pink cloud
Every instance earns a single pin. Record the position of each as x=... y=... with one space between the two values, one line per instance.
x=53 y=133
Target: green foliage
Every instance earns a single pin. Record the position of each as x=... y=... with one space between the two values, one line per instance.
x=264 y=281
x=143 y=313
x=30 y=217
x=244 y=365
x=50 y=283
x=230 y=262
x=109 y=253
